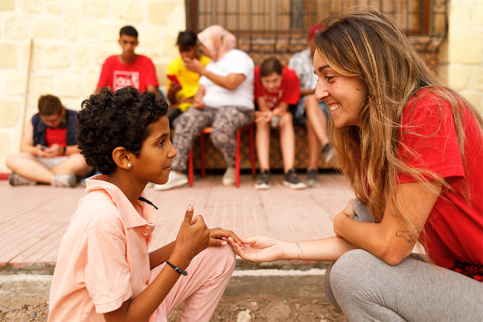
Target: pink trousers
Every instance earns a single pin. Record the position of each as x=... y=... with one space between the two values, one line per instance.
x=208 y=275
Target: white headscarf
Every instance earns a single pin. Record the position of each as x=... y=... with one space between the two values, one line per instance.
x=217 y=40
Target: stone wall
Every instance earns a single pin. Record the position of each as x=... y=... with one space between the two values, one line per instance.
x=66 y=43
x=461 y=57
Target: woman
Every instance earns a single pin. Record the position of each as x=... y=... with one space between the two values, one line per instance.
x=276 y=88
x=412 y=150
x=224 y=100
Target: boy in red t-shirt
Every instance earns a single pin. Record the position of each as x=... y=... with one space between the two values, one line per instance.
x=276 y=88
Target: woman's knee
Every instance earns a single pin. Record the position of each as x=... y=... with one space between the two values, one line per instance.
x=350 y=272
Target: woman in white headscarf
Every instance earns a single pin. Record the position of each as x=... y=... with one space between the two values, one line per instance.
x=224 y=100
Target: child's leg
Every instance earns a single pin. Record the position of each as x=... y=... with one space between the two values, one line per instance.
x=208 y=275
x=262 y=139
x=228 y=120
x=188 y=126
x=287 y=141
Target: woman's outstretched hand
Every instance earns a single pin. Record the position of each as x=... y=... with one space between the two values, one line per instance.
x=258 y=248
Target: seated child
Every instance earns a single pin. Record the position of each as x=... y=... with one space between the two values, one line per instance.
x=276 y=88
x=104 y=270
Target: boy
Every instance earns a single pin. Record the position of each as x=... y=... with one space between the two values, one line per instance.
x=104 y=270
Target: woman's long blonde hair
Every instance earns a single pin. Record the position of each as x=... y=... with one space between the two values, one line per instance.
x=368 y=45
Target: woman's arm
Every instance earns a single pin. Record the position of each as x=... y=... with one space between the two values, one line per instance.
x=392 y=240
x=230 y=81
x=267 y=249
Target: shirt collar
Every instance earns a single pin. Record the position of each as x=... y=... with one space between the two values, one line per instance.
x=131 y=216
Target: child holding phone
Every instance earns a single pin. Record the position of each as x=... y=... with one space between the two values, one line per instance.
x=182 y=83
x=104 y=270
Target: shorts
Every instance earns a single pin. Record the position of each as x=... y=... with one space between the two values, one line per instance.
x=299 y=115
x=52 y=162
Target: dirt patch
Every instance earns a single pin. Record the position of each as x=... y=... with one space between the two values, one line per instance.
x=229 y=309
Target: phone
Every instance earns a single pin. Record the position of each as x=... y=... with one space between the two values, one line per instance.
x=173 y=79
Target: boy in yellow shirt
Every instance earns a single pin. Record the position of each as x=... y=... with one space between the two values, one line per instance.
x=182 y=84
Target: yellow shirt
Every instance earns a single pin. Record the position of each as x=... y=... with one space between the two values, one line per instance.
x=189 y=80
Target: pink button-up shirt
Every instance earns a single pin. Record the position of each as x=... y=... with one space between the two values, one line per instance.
x=103 y=257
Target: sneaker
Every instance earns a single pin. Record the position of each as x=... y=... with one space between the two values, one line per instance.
x=263 y=182
x=312 y=178
x=329 y=154
x=176 y=179
x=64 y=180
x=291 y=180
x=16 y=180
x=229 y=177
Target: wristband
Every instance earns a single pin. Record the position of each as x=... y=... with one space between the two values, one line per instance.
x=177 y=270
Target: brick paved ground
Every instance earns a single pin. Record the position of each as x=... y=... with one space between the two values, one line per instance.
x=34 y=218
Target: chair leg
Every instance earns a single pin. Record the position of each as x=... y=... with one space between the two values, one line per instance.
x=252 y=151
x=202 y=154
x=237 y=159
x=190 y=168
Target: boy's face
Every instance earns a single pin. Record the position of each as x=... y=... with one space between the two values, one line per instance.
x=272 y=82
x=157 y=152
x=128 y=44
x=190 y=53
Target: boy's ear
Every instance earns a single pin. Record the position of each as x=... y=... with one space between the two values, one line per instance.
x=123 y=158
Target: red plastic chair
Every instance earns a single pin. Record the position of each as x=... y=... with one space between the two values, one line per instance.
x=237 y=157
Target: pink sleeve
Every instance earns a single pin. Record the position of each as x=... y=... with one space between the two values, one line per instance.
x=107 y=274
x=428 y=138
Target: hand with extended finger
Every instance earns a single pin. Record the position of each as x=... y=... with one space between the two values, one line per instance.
x=219 y=237
x=258 y=248
x=193 y=237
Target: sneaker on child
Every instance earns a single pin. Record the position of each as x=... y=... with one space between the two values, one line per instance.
x=64 y=180
x=263 y=182
x=291 y=180
x=312 y=178
x=229 y=177
x=175 y=180
x=17 y=180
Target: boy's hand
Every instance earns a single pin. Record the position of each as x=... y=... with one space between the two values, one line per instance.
x=219 y=237
x=193 y=237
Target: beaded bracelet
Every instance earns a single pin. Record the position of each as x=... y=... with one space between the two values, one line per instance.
x=178 y=270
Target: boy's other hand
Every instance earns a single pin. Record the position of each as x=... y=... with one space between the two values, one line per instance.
x=219 y=237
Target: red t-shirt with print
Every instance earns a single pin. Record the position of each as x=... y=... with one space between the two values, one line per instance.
x=289 y=91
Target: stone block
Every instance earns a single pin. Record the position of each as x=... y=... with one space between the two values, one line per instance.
x=129 y=10
x=466 y=49
x=57 y=56
x=45 y=28
x=40 y=86
x=15 y=27
x=478 y=74
x=5 y=150
x=159 y=10
x=478 y=14
x=110 y=33
x=459 y=18
x=53 y=7
x=473 y=97
x=459 y=76
x=16 y=84
x=68 y=85
x=81 y=53
x=150 y=36
x=9 y=55
x=97 y=9
x=9 y=113
x=72 y=19
x=176 y=20
x=31 y=6
x=7 y=5
x=89 y=30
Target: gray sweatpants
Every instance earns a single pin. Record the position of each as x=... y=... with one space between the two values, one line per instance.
x=225 y=121
x=368 y=289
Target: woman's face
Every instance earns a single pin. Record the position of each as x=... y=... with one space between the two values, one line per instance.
x=342 y=94
x=272 y=82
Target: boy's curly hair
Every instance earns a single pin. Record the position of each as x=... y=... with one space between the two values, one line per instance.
x=109 y=120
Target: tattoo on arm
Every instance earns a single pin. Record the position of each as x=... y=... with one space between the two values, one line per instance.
x=410 y=236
